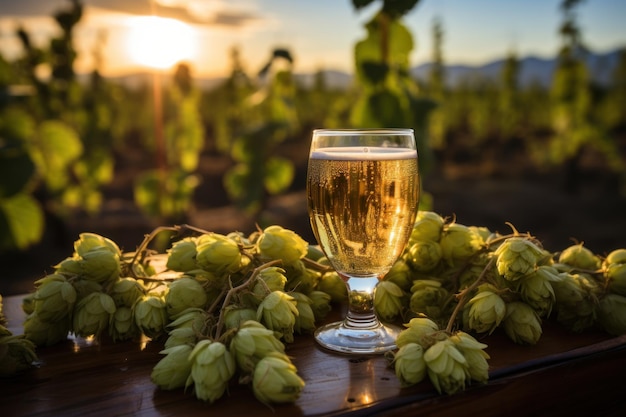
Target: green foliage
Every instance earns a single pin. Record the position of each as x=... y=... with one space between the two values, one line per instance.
x=21 y=216
x=268 y=117
x=388 y=95
x=165 y=194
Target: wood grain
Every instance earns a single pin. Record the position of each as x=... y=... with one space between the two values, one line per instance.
x=563 y=372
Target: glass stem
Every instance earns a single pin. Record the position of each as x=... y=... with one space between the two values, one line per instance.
x=361 y=303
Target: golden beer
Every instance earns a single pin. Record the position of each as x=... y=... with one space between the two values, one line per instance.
x=362 y=204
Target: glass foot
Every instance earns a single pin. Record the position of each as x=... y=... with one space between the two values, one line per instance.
x=345 y=339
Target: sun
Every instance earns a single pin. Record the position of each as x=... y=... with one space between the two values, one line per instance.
x=160 y=43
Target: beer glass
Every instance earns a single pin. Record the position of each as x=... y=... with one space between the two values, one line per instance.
x=363 y=191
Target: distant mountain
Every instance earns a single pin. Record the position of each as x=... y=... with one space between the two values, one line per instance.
x=533 y=69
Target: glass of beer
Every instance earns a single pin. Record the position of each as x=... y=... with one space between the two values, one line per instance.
x=363 y=191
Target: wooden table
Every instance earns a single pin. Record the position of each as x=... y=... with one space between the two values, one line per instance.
x=564 y=374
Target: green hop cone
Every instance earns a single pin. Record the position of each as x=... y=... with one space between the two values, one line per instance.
x=69 y=266
x=446 y=366
x=92 y=314
x=278 y=243
x=28 y=303
x=536 y=289
x=400 y=274
x=518 y=257
x=389 y=300
x=100 y=265
x=269 y=279
x=184 y=293
x=522 y=324
x=186 y=326
x=429 y=297
x=181 y=336
x=253 y=342
x=486 y=310
x=579 y=257
x=46 y=333
x=151 y=315
x=418 y=330
x=122 y=324
x=475 y=355
x=459 y=243
x=17 y=354
x=182 y=255
x=305 y=319
x=173 y=370
x=300 y=278
x=332 y=284
x=424 y=256
x=218 y=253
x=612 y=314
x=320 y=303
x=212 y=367
x=409 y=364
x=88 y=241
x=234 y=317
x=54 y=298
x=615 y=274
x=617 y=256
x=276 y=380
x=428 y=226
x=278 y=312
x=576 y=300
x=126 y=291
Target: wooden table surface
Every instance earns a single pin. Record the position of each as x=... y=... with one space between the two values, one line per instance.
x=564 y=374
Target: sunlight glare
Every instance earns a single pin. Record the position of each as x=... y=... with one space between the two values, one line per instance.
x=160 y=43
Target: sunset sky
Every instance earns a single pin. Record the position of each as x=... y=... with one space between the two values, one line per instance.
x=319 y=33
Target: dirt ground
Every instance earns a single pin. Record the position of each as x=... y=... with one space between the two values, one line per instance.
x=477 y=195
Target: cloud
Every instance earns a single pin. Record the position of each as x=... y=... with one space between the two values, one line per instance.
x=232 y=13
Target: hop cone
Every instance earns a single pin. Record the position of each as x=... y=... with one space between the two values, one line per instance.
x=388 y=300
x=17 y=353
x=485 y=310
x=459 y=243
x=576 y=300
x=212 y=367
x=517 y=257
x=218 y=253
x=429 y=297
x=279 y=243
x=253 y=342
x=276 y=380
x=424 y=256
x=409 y=364
x=447 y=367
x=522 y=324
x=150 y=315
x=418 y=330
x=612 y=314
x=474 y=354
x=278 y=312
x=173 y=370
x=92 y=314
x=54 y=298
x=579 y=257
x=184 y=293
x=182 y=256
x=428 y=226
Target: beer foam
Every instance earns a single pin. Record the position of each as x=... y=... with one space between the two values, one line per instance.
x=360 y=153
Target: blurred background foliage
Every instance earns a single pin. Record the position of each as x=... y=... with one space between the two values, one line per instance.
x=65 y=139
